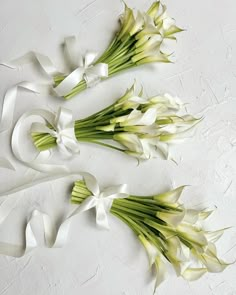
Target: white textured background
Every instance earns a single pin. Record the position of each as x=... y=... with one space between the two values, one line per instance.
x=204 y=75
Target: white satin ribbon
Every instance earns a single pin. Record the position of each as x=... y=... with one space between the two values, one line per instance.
x=31 y=237
x=67 y=144
x=5 y=163
x=101 y=200
x=52 y=238
x=81 y=68
x=9 y=102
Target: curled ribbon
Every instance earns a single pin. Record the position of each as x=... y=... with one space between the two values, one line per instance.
x=101 y=200
x=80 y=67
x=52 y=238
x=9 y=102
x=30 y=236
x=63 y=130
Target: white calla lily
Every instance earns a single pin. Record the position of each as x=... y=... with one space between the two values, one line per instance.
x=194 y=236
x=214 y=236
x=193 y=216
x=170 y=197
x=138 y=24
x=177 y=254
x=161 y=271
x=192 y=274
x=130 y=141
x=144 y=127
x=168 y=238
x=171 y=217
x=152 y=250
x=153 y=10
x=213 y=263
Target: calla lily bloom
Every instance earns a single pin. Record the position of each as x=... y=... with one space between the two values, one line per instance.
x=172 y=235
x=138 y=126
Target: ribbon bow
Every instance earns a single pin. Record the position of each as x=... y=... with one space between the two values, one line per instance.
x=101 y=200
x=81 y=68
x=62 y=129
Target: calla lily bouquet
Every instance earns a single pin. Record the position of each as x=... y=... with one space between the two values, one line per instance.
x=137 y=126
x=171 y=234
x=141 y=39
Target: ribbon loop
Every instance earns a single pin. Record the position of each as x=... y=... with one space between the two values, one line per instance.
x=80 y=67
x=63 y=124
x=101 y=201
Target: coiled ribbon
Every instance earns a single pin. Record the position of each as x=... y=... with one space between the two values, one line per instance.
x=80 y=68
x=62 y=129
x=101 y=200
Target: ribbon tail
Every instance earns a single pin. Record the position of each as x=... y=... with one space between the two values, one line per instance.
x=49 y=231
x=69 y=82
x=30 y=239
x=62 y=234
x=70 y=144
x=35 y=164
x=71 y=53
x=30 y=57
x=5 y=163
x=101 y=216
x=91 y=183
x=10 y=101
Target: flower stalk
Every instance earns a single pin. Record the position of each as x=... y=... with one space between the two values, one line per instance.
x=137 y=126
x=170 y=233
x=139 y=40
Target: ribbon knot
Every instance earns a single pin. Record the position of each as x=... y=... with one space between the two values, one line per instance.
x=101 y=200
x=82 y=68
x=64 y=131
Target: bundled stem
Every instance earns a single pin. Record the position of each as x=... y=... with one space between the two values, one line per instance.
x=140 y=127
x=138 y=41
x=170 y=233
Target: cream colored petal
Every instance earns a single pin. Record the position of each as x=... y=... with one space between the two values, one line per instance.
x=129 y=140
x=160 y=271
x=192 y=235
x=153 y=10
x=214 y=236
x=191 y=216
x=107 y=128
x=172 y=217
x=192 y=274
x=152 y=251
x=213 y=264
x=171 y=196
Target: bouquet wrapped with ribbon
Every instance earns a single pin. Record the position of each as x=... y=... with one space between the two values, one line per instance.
x=140 y=127
x=171 y=234
x=141 y=39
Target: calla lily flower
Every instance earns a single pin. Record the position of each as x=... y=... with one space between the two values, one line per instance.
x=168 y=232
x=141 y=39
x=138 y=126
